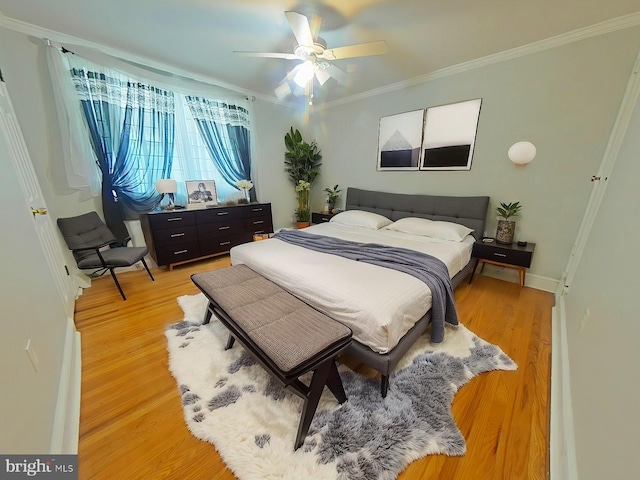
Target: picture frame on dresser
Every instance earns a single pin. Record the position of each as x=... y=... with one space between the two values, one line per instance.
x=201 y=193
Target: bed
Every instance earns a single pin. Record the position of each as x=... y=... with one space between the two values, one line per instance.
x=387 y=310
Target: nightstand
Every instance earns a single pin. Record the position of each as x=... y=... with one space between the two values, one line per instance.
x=511 y=256
x=318 y=217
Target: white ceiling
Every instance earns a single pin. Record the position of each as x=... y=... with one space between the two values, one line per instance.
x=423 y=36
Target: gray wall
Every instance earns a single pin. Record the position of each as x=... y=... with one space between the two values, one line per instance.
x=564 y=100
x=603 y=349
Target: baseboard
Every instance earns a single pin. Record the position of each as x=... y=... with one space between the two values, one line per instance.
x=563 y=462
x=66 y=423
x=531 y=280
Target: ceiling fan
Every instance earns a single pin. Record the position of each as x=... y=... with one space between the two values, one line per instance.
x=312 y=51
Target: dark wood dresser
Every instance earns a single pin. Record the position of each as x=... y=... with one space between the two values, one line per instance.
x=179 y=236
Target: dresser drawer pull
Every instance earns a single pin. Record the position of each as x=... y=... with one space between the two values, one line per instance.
x=325 y=219
x=256 y=209
x=223 y=228
x=258 y=222
x=180 y=252
x=174 y=219
x=223 y=213
x=258 y=231
x=499 y=254
x=173 y=235
x=224 y=243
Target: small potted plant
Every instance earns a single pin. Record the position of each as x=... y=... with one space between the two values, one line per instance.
x=507 y=227
x=303 y=213
x=333 y=194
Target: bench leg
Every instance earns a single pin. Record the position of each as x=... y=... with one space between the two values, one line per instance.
x=334 y=382
x=230 y=342
x=318 y=381
x=208 y=313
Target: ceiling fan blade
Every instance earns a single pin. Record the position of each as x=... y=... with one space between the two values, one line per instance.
x=340 y=76
x=286 y=56
x=300 y=26
x=360 y=50
x=322 y=75
x=283 y=90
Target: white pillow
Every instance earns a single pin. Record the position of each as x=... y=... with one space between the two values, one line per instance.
x=360 y=218
x=429 y=228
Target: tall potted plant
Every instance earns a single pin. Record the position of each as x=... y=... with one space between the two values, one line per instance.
x=303 y=213
x=302 y=162
x=507 y=227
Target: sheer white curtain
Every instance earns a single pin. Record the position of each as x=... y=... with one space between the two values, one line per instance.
x=80 y=162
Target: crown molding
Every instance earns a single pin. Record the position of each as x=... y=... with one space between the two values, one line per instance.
x=615 y=24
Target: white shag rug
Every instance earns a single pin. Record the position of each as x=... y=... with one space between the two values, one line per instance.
x=232 y=402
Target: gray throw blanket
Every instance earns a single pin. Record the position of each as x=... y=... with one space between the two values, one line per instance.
x=424 y=267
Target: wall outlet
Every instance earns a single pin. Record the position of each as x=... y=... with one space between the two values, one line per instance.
x=31 y=353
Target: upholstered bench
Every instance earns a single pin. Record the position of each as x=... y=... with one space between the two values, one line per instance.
x=287 y=336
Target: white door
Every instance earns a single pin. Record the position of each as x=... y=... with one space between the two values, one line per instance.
x=34 y=301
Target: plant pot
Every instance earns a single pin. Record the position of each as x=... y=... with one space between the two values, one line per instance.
x=303 y=224
x=506 y=229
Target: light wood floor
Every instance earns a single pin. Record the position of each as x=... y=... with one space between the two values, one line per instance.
x=132 y=425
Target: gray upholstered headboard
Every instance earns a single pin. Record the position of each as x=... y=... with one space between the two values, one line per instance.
x=468 y=211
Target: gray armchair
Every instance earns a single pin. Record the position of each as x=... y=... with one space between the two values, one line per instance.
x=86 y=236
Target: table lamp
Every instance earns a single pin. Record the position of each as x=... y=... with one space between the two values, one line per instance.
x=167 y=186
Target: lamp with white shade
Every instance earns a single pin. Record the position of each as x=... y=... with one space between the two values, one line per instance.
x=522 y=153
x=167 y=186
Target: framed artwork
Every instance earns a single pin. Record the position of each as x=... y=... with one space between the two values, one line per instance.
x=450 y=136
x=201 y=193
x=400 y=141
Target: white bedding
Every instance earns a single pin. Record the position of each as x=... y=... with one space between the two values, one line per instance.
x=379 y=304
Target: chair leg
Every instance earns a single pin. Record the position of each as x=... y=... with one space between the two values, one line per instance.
x=147 y=269
x=115 y=279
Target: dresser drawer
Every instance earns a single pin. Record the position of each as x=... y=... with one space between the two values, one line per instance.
x=222 y=244
x=175 y=236
x=511 y=255
x=177 y=253
x=220 y=229
x=258 y=210
x=172 y=220
x=258 y=225
x=222 y=214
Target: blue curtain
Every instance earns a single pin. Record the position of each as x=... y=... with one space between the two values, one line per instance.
x=132 y=129
x=225 y=130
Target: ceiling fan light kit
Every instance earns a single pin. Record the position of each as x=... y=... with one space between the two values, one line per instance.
x=309 y=50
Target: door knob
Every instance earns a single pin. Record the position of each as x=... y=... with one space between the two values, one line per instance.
x=38 y=211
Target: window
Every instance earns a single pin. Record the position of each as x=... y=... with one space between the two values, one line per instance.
x=143 y=133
